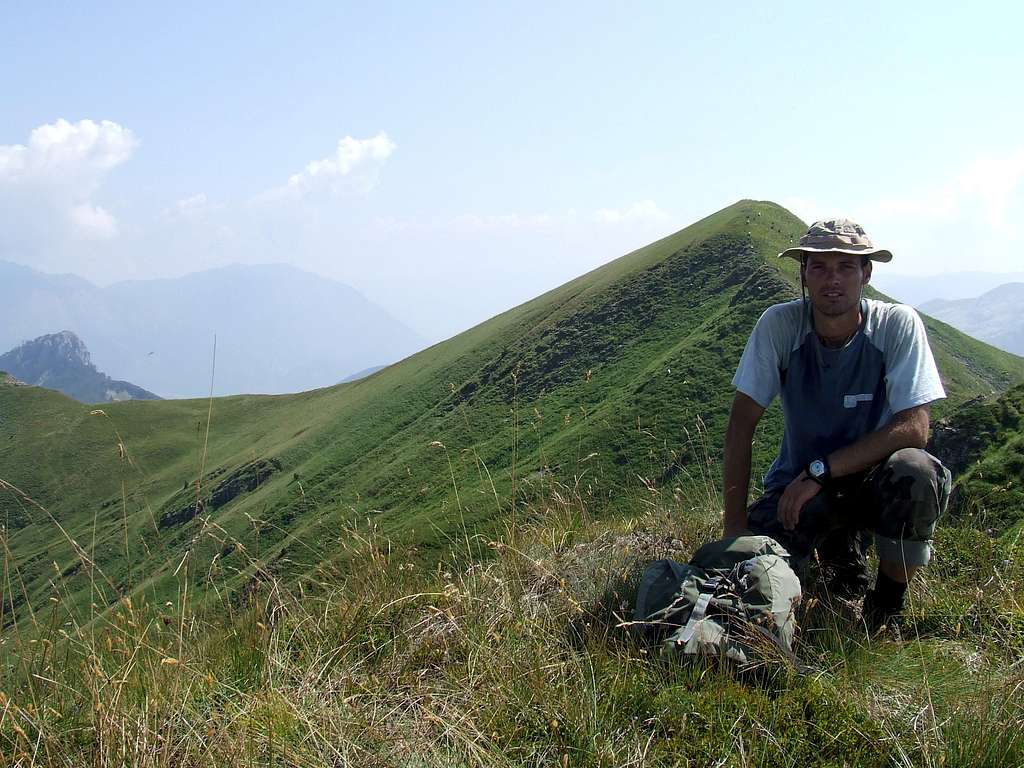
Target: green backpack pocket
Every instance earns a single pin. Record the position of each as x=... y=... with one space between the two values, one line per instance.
x=736 y=598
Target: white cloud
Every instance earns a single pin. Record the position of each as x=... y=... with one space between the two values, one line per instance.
x=191 y=204
x=349 y=154
x=92 y=221
x=994 y=181
x=47 y=185
x=60 y=151
x=986 y=189
x=189 y=207
x=969 y=219
x=352 y=166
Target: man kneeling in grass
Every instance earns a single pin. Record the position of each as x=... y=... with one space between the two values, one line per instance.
x=855 y=377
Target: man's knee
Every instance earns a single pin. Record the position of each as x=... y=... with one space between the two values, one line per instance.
x=912 y=489
x=916 y=463
x=914 y=475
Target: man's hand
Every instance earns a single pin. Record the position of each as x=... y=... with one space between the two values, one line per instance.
x=794 y=498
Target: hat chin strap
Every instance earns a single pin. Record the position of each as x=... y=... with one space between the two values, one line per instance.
x=803 y=297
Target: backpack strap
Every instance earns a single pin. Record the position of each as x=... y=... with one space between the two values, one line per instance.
x=700 y=608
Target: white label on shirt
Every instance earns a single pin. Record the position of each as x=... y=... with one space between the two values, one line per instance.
x=850 y=401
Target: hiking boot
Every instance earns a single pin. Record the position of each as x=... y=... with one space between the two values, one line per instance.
x=844 y=565
x=846 y=583
x=879 y=616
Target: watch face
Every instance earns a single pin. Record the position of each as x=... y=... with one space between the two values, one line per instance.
x=817 y=468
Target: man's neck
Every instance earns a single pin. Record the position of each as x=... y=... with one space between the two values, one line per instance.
x=836 y=331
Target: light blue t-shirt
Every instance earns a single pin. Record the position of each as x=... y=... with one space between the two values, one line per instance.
x=833 y=397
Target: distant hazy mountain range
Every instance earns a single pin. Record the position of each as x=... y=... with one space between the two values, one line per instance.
x=61 y=361
x=278 y=329
x=362 y=374
x=995 y=316
x=918 y=289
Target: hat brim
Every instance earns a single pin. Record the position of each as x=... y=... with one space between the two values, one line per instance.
x=875 y=254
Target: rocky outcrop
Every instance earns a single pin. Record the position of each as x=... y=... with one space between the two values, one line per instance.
x=246 y=478
x=184 y=506
x=180 y=515
x=6 y=380
x=957 y=442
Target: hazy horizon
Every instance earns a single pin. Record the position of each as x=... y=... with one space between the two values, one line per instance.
x=278 y=329
x=913 y=289
x=482 y=155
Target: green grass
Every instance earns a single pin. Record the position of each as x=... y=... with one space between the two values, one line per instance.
x=985 y=443
x=597 y=384
x=507 y=651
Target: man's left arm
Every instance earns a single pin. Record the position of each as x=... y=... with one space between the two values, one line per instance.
x=907 y=429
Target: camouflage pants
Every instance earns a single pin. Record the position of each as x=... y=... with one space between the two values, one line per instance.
x=898 y=501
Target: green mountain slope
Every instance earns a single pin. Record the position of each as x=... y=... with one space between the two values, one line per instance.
x=983 y=442
x=612 y=384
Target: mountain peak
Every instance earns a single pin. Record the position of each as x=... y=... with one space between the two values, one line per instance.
x=61 y=361
x=1005 y=291
x=65 y=345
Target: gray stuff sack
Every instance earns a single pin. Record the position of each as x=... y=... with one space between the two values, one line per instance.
x=736 y=599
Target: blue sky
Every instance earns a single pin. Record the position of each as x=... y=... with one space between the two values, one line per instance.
x=495 y=151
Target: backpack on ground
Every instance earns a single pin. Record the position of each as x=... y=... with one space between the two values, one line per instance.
x=736 y=598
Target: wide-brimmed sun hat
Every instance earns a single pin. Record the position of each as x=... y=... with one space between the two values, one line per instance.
x=837 y=236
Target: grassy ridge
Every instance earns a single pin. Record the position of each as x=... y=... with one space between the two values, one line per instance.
x=596 y=383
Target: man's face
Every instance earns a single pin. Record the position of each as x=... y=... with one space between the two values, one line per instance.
x=834 y=281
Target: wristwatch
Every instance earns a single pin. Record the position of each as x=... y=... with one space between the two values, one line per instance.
x=818 y=471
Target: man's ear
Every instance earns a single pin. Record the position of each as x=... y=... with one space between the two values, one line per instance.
x=867 y=272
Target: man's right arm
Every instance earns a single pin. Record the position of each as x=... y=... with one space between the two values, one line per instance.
x=743 y=419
